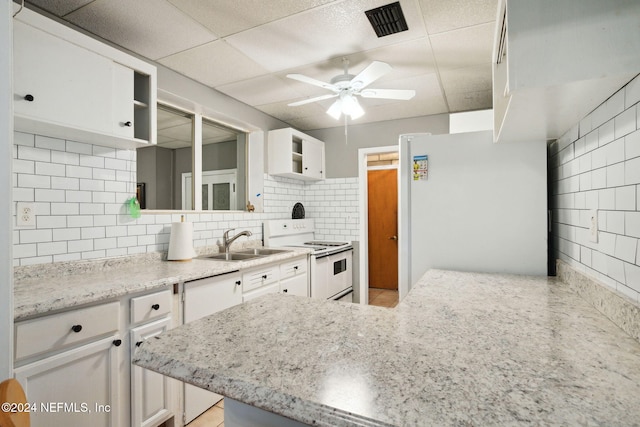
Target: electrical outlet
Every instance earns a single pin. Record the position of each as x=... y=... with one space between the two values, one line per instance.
x=26 y=214
x=593 y=226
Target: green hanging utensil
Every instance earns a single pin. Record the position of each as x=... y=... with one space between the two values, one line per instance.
x=134 y=207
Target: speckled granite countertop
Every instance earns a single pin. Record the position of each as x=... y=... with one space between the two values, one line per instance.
x=461 y=349
x=67 y=285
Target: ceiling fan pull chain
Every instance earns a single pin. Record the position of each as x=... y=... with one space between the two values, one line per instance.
x=346 y=136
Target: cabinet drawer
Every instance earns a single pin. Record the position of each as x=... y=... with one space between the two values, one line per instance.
x=255 y=278
x=293 y=268
x=58 y=331
x=271 y=289
x=295 y=286
x=150 y=307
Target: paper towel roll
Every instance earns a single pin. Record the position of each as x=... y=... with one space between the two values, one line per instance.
x=181 y=242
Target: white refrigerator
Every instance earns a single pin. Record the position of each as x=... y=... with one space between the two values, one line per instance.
x=468 y=204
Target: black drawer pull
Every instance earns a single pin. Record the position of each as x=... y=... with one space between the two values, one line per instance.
x=238 y=283
x=156 y=306
x=117 y=343
x=285 y=290
x=76 y=328
x=295 y=267
x=29 y=98
x=264 y=276
x=128 y=124
x=139 y=343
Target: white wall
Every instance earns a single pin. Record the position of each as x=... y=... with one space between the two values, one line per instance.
x=342 y=157
x=596 y=166
x=6 y=135
x=482 y=208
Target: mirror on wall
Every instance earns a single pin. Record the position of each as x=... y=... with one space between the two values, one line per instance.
x=164 y=171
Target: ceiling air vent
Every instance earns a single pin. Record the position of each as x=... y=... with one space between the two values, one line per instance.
x=387 y=19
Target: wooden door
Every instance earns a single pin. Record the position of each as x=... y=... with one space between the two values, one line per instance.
x=383 y=228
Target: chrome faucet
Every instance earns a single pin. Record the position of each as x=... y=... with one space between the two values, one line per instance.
x=227 y=241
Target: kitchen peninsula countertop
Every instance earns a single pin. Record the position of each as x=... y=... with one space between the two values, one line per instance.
x=57 y=287
x=460 y=349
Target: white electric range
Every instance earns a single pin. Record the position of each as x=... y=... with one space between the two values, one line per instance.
x=331 y=262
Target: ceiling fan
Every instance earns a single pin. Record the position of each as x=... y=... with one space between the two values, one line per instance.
x=346 y=87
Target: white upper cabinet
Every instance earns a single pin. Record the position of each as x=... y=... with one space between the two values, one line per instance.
x=296 y=155
x=68 y=85
x=555 y=61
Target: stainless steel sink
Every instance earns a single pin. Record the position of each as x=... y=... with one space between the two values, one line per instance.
x=262 y=251
x=232 y=256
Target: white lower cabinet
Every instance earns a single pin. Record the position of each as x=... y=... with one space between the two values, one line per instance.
x=77 y=387
x=150 y=391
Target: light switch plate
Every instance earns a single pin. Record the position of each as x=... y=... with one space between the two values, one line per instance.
x=593 y=226
x=26 y=214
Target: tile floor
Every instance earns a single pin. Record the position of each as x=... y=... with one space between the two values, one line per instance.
x=383 y=297
x=214 y=417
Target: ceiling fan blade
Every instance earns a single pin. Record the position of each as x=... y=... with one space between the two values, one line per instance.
x=311 y=81
x=310 y=100
x=402 y=94
x=374 y=71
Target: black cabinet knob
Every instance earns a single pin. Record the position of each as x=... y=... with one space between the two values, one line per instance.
x=156 y=306
x=138 y=343
x=28 y=97
x=76 y=328
x=128 y=124
x=285 y=290
x=295 y=267
x=238 y=283
x=117 y=343
x=264 y=276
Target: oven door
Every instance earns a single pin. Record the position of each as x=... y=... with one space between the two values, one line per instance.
x=340 y=273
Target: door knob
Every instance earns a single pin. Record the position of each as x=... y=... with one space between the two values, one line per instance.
x=393 y=238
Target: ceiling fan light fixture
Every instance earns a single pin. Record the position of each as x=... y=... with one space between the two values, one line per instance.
x=351 y=107
x=336 y=109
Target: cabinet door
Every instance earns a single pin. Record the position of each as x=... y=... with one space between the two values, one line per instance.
x=150 y=391
x=69 y=84
x=122 y=111
x=295 y=286
x=312 y=159
x=75 y=388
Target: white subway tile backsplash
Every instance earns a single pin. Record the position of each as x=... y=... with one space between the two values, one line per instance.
x=25 y=139
x=92 y=161
x=51 y=169
x=35 y=236
x=80 y=245
x=104 y=174
x=33 y=181
x=626 y=248
x=93 y=233
x=78 y=147
x=632 y=145
x=91 y=209
x=78 y=196
x=615 y=175
x=51 y=221
x=626 y=198
x=606 y=133
x=35 y=154
x=50 y=143
x=632 y=171
x=607 y=199
x=52 y=248
x=632 y=224
x=65 y=183
x=80 y=220
x=66 y=234
x=632 y=93
x=79 y=171
x=104 y=151
x=65 y=158
x=45 y=195
x=625 y=122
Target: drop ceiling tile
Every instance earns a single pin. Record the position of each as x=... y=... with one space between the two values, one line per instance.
x=165 y=30
x=213 y=64
x=470 y=101
x=225 y=17
x=470 y=79
x=59 y=7
x=286 y=113
x=464 y=48
x=447 y=15
x=261 y=90
x=324 y=32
